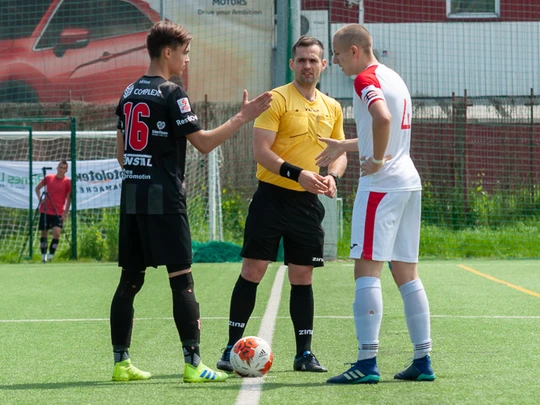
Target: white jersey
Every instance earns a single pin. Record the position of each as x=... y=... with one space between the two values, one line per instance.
x=378 y=83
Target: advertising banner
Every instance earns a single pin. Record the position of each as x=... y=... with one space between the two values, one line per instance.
x=98 y=183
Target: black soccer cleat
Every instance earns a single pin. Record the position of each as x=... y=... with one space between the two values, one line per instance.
x=419 y=370
x=224 y=363
x=308 y=362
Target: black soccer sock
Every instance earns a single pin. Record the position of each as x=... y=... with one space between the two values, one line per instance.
x=54 y=245
x=186 y=310
x=301 y=308
x=122 y=310
x=43 y=245
x=192 y=355
x=243 y=300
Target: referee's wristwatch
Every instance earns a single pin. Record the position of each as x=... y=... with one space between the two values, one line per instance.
x=336 y=178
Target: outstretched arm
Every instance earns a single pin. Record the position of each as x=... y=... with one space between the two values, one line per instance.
x=206 y=140
x=334 y=149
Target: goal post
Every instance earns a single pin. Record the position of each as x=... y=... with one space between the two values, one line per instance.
x=96 y=184
x=72 y=125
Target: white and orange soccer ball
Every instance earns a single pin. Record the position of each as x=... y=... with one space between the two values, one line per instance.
x=251 y=356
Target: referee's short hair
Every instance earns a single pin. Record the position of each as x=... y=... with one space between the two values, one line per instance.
x=307 y=41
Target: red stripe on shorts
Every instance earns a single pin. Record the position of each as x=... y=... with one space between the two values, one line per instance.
x=373 y=202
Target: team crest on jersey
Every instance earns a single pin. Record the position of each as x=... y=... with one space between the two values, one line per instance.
x=160 y=125
x=183 y=103
x=128 y=90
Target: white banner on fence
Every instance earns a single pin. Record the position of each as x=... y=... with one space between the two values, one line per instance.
x=98 y=183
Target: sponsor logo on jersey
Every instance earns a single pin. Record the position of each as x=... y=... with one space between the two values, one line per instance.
x=128 y=90
x=159 y=132
x=189 y=118
x=156 y=132
x=128 y=174
x=183 y=103
x=137 y=160
x=147 y=92
x=143 y=81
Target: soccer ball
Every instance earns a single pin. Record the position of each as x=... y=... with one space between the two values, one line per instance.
x=251 y=356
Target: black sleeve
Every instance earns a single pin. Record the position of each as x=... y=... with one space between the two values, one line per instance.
x=183 y=119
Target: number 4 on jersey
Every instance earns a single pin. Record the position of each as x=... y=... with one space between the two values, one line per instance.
x=406 y=117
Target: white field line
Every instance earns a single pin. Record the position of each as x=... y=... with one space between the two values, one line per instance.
x=220 y=318
x=251 y=389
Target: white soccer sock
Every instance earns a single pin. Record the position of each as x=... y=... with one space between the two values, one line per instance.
x=367 y=310
x=416 y=307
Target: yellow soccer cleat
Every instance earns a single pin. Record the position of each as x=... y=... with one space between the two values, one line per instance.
x=125 y=371
x=202 y=373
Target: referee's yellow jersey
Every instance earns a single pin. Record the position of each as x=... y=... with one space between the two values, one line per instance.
x=298 y=124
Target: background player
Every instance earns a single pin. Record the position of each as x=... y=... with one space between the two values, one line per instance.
x=287 y=138
x=156 y=120
x=54 y=207
x=386 y=214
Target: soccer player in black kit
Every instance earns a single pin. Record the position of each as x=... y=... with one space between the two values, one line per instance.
x=155 y=122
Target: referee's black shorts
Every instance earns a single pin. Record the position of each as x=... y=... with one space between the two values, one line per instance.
x=295 y=216
x=154 y=240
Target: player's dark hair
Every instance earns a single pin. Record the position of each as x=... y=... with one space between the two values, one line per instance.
x=305 y=41
x=64 y=162
x=166 y=34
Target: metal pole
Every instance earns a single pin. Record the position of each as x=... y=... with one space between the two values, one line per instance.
x=361 y=12
x=73 y=127
x=30 y=192
x=294 y=31
x=212 y=193
x=280 y=52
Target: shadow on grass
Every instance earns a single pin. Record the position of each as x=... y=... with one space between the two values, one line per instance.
x=170 y=379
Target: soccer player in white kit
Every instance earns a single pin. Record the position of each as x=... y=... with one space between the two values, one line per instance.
x=386 y=213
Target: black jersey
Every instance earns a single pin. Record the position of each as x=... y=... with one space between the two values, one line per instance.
x=155 y=116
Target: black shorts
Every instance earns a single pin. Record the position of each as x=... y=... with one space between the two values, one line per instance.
x=154 y=240
x=52 y=221
x=295 y=216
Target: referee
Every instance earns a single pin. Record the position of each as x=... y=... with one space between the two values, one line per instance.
x=286 y=205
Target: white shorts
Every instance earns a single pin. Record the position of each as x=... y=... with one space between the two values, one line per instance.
x=386 y=226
